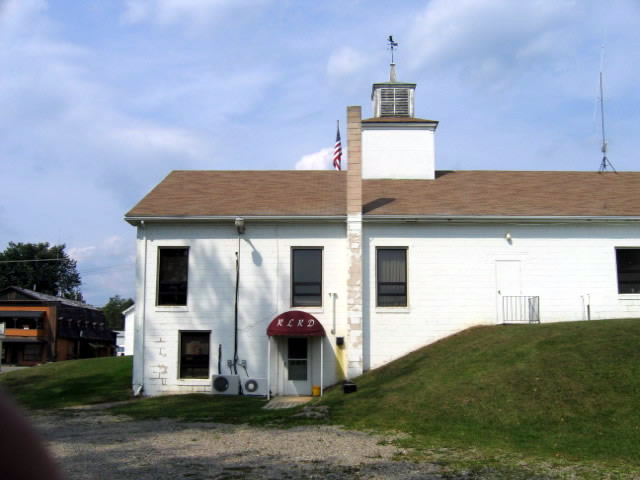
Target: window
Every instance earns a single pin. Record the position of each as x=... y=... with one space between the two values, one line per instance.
x=172 y=276
x=194 y=354
x=628 y=262
x=392 y=277
x=32 y=353
x=306 y=277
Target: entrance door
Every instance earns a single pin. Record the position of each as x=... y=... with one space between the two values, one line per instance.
x=508 y=283
x=297 y=367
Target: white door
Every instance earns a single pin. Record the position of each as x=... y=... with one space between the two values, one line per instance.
x=297 y=366
x=508 y=283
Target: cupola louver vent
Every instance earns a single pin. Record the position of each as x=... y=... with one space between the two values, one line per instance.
x=394 y=102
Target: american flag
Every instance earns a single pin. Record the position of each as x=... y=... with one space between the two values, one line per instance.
x=337 y=152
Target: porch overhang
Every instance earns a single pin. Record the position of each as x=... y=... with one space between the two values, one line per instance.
x=296 y=323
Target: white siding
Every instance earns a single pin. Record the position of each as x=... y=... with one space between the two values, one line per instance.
x=398 y=152
x=452 y=278
x=129 y=320
x=451 y=286
x=264 y=293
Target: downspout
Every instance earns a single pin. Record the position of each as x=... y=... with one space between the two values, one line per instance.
x=137 y=389
x=235 y=319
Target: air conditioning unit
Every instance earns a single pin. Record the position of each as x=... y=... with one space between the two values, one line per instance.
x=225 y=384
x=255 y=386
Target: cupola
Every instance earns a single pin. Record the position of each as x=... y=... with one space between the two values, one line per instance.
x=393 y=98
x=396 y=144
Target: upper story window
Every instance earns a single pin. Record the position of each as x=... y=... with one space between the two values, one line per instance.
x=173 y=266
x=628 y=263
x=391 y=277
x=306 y=277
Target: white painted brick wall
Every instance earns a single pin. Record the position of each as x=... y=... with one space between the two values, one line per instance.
x=452 y=286
x=452 y=278
x=265 y=291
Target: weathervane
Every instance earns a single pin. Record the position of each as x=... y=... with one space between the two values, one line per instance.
x=392 y=45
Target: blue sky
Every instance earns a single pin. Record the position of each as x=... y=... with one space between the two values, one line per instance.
x=101 y=99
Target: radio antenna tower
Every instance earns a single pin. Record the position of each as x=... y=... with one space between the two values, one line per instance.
x=605 y=164
x=392 y=45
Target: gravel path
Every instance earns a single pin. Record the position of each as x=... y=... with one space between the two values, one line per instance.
x=95 y=445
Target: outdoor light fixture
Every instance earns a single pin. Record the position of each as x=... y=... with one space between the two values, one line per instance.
x=240 y=224
x=507 y=235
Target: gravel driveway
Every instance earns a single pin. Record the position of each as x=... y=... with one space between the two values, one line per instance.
x=95 y=445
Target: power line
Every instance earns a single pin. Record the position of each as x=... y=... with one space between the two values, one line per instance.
x=113 y=268
x=36 y=260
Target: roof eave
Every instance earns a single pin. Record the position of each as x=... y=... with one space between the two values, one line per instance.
x=136 y=220
x=499 y=218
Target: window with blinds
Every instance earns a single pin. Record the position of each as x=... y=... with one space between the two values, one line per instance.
x=306 y=278
x=391 y=277
x=394 y=102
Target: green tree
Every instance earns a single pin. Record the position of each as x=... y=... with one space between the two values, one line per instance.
x=54 y=272
x=113 y=311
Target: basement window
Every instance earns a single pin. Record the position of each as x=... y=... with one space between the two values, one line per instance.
x=173 y=266
x=628 y=265
x=391 y=277
x=194 y=354
x=306 y=277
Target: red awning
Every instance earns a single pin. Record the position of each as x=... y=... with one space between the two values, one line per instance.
x=296 y=322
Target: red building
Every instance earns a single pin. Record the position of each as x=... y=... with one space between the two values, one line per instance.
x=42 y=328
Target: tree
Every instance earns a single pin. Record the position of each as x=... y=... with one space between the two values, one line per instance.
x=53 y=272
x=113 y=311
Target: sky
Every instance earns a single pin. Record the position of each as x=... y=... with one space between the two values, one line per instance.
x=101 y=99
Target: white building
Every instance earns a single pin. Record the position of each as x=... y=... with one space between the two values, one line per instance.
x=119 y=343
x=350 y=270
x=129 y=325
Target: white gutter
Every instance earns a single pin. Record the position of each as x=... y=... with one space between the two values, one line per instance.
x=496 y=218
x=223 y=218
x=390 y=218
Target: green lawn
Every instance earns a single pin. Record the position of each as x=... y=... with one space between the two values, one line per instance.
x=69 y=383
x=564 y=391
x=567 y=390
x=205 y=407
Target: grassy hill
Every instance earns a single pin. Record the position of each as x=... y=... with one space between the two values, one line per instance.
x=69 y=383
x=568 y=390
x=558 y=391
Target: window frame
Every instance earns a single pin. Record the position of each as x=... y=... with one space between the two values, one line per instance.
x=618 y=285
x=293 y=283
x=179 y=371
x=158 y=269
x=406 y=278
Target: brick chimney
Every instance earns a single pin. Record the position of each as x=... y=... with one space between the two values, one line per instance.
x=354 y=242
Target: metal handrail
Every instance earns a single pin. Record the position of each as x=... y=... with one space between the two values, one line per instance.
x=520 y=309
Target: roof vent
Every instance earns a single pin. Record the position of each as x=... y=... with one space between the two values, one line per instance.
x=393 y=98
x=394 y=102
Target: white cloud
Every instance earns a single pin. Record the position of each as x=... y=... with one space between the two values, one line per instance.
x=486 y=38
x=150 y=138
x=322 y=160
x=82 y=253
x=16 y=14
x=344 y=62
x=197 y=13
